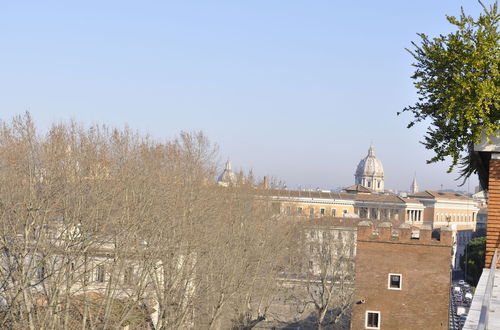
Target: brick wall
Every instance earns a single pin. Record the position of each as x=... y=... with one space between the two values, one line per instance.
x=493 y=225
x=424 y=263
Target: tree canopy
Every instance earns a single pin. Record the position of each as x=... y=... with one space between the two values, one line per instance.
x=457 y=80
x=473 y=260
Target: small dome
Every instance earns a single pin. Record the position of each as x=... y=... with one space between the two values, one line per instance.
x=370 y=165
x=227 y=177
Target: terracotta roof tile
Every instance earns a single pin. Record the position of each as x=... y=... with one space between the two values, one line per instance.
x=358 y=188
x=432 y=194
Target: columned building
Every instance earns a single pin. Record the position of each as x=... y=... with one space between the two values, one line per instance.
x=443 y=208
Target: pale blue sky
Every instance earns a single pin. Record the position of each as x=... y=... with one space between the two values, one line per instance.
x=293 y=89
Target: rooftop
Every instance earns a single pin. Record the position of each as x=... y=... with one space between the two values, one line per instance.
x=432 y=194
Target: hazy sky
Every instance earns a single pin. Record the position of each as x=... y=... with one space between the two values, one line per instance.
x=293 y=89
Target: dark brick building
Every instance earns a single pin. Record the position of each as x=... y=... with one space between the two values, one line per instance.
x=402 y=282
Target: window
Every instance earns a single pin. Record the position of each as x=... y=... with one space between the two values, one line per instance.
x=334 y=211
x=276 y=208
x=288 y=210
x=311 y=211
x=395 y=282
x=310 y=264
x=372 y=320
x=128 y=275
x=41 y=273
x=378 y=185
x=369 y=184
x=299 y=210
x=99 y=273
x=322 y=211
x=72 y=270
x=344 y=212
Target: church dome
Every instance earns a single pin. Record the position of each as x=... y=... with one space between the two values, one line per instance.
x=227 y=177
x=370 y=172
x=370 y=165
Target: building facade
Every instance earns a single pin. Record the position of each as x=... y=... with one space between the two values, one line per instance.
x=402 y=282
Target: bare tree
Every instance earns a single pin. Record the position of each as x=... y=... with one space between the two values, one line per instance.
x=104 y=228
x=325 y=283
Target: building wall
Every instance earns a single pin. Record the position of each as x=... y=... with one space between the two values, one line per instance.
x=292 y=208
x=380 y=211
x=462 y=218
x=428 y=214
x=444 y=211
x=437 y=212
x=422 y=302
x=493 y=229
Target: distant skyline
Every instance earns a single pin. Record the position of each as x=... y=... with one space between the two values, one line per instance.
x=294 y=90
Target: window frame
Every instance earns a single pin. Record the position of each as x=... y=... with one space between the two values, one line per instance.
x=41 y=273
x=100 y=274
x=400 y=281
x=379 y=319
x=129 y=275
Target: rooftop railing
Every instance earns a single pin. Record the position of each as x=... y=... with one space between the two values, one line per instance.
x=485 y=306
